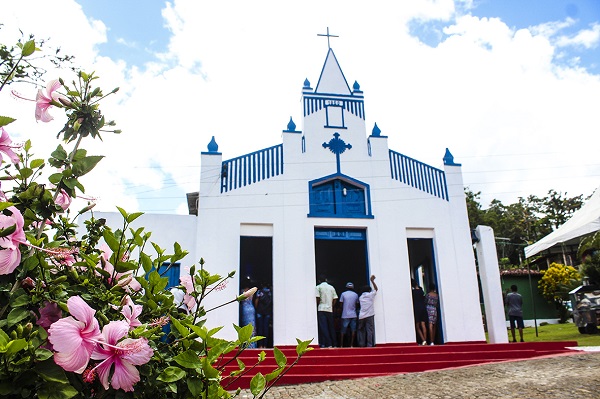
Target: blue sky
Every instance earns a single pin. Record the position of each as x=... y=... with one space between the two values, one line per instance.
x=511 y=87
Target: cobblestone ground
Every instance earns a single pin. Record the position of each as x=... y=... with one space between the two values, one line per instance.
x=574 y=376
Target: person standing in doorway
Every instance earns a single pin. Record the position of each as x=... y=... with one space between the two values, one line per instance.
x=326 y=298
x=420 y=312
x=348 y=299
x=263 y=303
x=248 y=314
x=366 y=316
x=514 y=301
x=431 y=301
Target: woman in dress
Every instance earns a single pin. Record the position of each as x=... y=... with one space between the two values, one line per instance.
x=248 y=315
x=431 y=300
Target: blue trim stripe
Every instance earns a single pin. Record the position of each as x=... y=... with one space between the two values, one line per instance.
x=418 y=175
x=251 y=168
x=314 y=104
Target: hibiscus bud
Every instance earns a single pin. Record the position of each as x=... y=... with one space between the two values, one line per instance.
x=125 y=280
x=59 y=280
x=27 y=329
x=73 y=273
x=247 y=294
x=13 y=335
x=28 y=283
x=19 y=330
x=64 y=101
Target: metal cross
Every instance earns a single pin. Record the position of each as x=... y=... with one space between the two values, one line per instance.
x=328 y=36
x=337 y=146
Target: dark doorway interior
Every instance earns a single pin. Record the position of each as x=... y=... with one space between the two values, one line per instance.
x=342 y=261
x=256 y=270
x=422 y=269
x=341 y=255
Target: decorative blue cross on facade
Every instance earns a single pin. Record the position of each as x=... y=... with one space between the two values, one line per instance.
x=337 y=146
x=328 y=36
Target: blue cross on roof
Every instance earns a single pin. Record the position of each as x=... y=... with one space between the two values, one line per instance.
x=337 y=146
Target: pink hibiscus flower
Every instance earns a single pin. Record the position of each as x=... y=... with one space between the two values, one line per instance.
x=63 y=199
x=74 y=338
x=44 y=101
x=10 y=254
x=6 y=146
x=131 y=311
x=124 y=355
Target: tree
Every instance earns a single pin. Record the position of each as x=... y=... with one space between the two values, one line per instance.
x=555 y=284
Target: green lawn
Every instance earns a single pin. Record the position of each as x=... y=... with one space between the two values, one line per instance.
x=558 y=332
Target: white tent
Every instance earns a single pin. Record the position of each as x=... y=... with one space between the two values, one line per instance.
x=585 y=221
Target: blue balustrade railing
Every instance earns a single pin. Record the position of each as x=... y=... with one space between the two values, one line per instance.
x=418 y=175
x=251 y=168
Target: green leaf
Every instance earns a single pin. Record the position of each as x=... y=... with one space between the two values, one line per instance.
x=36 y=163
x=257 y=384
x=131 y=217
x=16 y=315
x=244 y=333
x=208 y=369
x=15 y=346
x=56 y=391
x=5 y=120
x=4 y=205
x=55 y=178
x=183 y=331
x=28 y=48
x=123 y=267
x=279 y=357
x=42 y=354
x=188 y=359
x=171 y=374
x=195 y=386
x=25 y=173
x=20 y=300
x=274 y=374
x=303 y=347
x=51 y=371
x=146 y=262
x=85 y=165
x=111 y=240
x=59 y=153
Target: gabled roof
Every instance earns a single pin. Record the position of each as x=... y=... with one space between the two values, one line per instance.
x=585 y=221
x=332 y=79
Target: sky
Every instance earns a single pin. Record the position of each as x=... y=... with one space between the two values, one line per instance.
x=511 y=87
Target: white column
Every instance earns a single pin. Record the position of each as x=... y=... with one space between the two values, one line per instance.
x=489 y=273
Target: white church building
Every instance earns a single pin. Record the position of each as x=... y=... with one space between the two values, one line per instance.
x=331 y=198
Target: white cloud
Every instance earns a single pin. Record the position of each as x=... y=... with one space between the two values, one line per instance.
x=587 y=38
x=518 y=123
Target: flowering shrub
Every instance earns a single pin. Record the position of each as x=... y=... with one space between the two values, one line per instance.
x=85 y=317
x=555 y=279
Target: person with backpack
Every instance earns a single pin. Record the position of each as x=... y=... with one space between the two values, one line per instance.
x=263 y=302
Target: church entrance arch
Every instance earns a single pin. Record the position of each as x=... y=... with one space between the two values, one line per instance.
x=423 y=270
x=256 y=270
x=341 y=255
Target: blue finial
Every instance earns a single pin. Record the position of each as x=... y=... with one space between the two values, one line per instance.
x=356 y=86
x=306 y=84
x=449 y=159
x=213 y=146
x=291 y=126
x=376 y=130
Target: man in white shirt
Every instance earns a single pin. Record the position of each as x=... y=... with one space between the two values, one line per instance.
x=366 y=317
x=326 y=298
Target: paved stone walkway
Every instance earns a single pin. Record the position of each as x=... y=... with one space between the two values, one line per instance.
x=575 y=376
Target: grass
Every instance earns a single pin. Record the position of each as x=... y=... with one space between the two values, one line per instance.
x=558 y=332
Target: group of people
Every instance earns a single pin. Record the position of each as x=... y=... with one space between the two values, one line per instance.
x=257 y=310
x=425 y=312
x=358 y=313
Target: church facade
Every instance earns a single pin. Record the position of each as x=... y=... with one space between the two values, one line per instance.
x=332 y=198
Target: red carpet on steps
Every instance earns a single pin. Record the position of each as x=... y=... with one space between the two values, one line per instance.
x=347 y=363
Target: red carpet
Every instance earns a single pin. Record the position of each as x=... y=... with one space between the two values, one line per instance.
x=347 y=363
